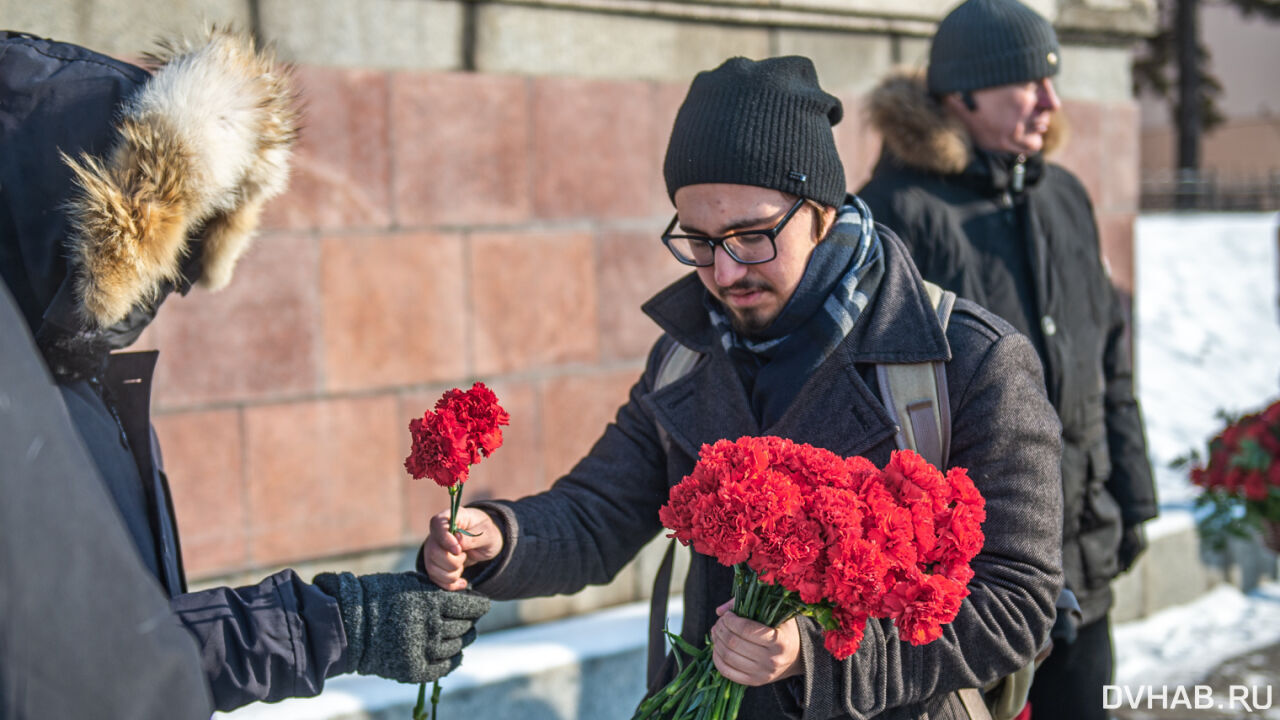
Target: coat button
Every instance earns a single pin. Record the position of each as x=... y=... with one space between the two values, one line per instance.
x=1048 y=325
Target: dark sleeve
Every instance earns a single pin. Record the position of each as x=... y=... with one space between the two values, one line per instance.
x=280 y=638
x=592 y=521
x=1131 y=482
x=85 y=631
x=1007 y=435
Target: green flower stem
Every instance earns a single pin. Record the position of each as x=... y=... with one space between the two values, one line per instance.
x=419 y=710
x=455 y=502
x=698 y=691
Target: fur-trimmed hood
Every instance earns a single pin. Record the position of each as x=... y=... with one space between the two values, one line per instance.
x=917 y=131
x=199 y=149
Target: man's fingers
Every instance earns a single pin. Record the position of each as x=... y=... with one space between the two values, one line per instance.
x=733 y=666
x=443 y=569
x=454 y=628
x=445 y=649
x=441 y=536
x=749 y=630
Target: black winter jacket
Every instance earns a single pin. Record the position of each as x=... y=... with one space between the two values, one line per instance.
x=278 y=639
x=594 y=520
x=1032 y=257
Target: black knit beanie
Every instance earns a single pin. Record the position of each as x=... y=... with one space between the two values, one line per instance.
x=764 y=123
x=984 y=43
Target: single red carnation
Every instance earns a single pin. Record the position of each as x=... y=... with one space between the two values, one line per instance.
x=465 y=427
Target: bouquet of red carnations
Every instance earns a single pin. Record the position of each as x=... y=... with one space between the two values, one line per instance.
x=1241 y=480
x=810 y=533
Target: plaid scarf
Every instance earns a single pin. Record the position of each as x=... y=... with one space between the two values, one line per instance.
x=842 y=275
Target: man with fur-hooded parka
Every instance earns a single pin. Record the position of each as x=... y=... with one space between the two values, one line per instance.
x=120 y=186
x=995 y=222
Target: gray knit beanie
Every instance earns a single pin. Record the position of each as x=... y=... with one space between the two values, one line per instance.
x=765 y=123
x=984 y=43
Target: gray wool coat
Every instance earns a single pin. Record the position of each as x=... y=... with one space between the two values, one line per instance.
x=595 y=519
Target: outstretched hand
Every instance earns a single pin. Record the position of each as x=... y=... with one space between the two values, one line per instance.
x=753 y=654
x=445 y=555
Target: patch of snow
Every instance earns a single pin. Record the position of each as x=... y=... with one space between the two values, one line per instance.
x=1207 y=328
x=1181 y=645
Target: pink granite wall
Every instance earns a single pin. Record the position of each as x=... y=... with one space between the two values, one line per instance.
x=443 y=228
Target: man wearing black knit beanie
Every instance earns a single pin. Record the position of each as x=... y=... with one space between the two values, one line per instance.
x=964 y=181
x=796 y=300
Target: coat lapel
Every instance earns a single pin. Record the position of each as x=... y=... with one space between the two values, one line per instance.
x=704 y=406
x=836 y=409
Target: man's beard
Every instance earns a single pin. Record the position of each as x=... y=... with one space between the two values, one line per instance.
x=751 y=322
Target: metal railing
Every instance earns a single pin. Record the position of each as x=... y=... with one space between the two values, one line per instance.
x=1208 y=190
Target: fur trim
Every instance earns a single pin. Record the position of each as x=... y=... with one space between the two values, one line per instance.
x=918 y=131
x=202 y=147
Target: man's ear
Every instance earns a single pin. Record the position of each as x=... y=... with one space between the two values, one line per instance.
x=959 y=103
x=826 y=219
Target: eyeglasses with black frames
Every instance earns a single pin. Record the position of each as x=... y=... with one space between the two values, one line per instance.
x=748 y=247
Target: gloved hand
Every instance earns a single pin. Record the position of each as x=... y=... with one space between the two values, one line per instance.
x=1133 y=541
x=401 y=626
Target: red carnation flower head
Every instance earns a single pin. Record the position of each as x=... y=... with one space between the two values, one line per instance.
x=478 y=411
x=464 y=428
x=844 y=641
x=439 y=449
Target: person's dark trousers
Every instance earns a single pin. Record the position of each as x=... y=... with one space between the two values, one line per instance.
x=1068 y=686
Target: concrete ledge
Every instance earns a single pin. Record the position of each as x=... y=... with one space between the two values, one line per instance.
x=1176 y=569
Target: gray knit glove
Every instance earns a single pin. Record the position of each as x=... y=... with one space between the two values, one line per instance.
x=401 y=626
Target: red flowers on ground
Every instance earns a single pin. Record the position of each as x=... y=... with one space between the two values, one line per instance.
x=465 y=427
x=1241 y=479
x=836 y=539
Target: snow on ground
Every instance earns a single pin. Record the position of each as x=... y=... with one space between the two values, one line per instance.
x=1208 y=330
x=1180 y=645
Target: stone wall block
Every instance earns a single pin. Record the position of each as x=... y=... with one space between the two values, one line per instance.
x=257 y=338
x=324 y=478
x=593 y=150
x=575 y=43
x=393 y=309
x=631 y=267
x=575 y=411
x=1119 y=140
x=203 y=453
x=856 y=141
x=342 y=166
x=461 y=149
x=534 y=301
x=847 y=62
x=366 y=33
x=1082 y=153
